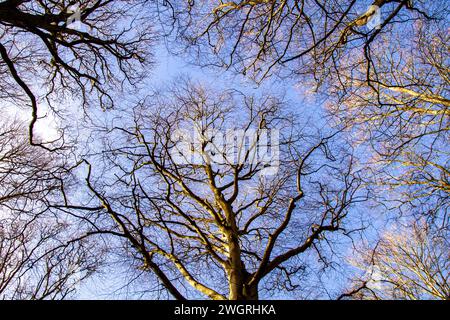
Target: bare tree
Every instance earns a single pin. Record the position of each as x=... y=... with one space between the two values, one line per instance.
x=409 y=263
x=222 y=194
x=39 y=258
x=382 y=67
x=403 y=114
x=37 y=262
x=257 y=37
x=195 y=217
x=74 y=52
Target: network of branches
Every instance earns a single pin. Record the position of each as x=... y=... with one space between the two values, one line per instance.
x=335 y=187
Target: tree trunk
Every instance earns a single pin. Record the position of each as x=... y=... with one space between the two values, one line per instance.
x=239 y=289
x=250 y=292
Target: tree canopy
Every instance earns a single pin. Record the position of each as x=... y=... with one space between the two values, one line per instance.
x=320 y=170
